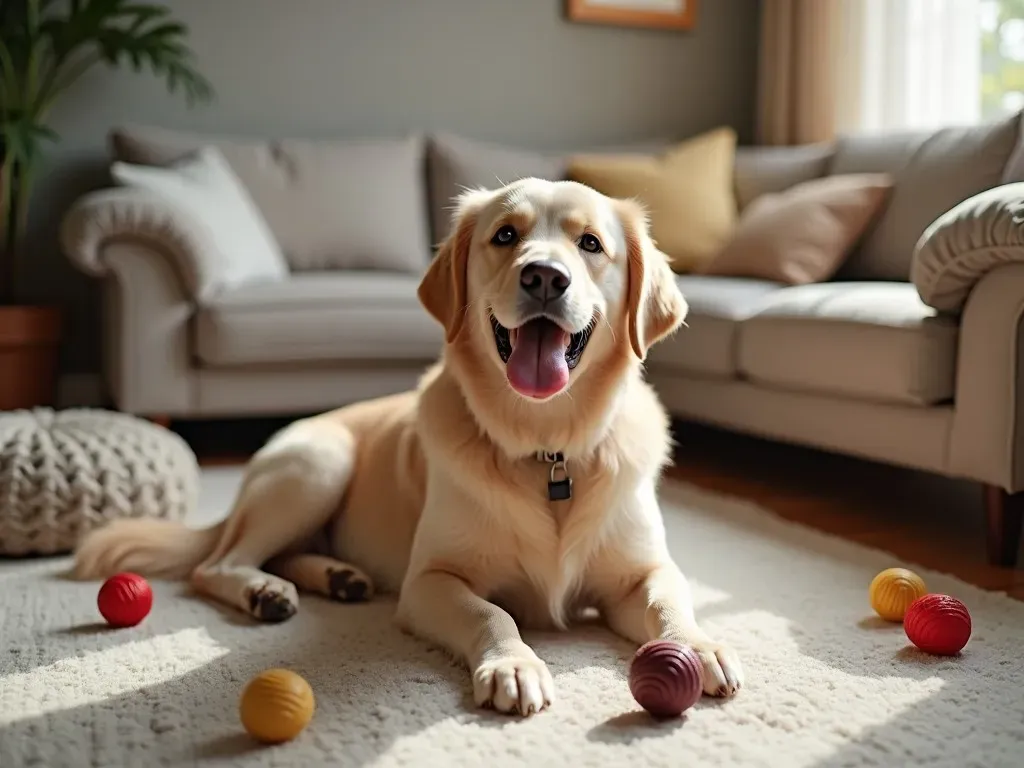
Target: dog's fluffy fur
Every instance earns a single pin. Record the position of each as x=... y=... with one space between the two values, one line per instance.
x=438 y=494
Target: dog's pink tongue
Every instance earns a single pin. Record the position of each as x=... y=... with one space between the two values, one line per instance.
x=537 y=366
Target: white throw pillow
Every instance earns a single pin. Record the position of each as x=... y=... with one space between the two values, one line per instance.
x=205 y=189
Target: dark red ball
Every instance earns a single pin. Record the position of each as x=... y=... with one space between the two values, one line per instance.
x=125 y=599
x=938 y=624
x=666 y=678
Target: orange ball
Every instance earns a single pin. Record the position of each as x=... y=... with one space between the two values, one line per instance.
x=276 y=706
x=893 y=590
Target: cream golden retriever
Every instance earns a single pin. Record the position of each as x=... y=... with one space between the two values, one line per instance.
x=516 y=487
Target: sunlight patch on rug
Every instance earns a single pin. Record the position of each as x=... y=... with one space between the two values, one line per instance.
x=94 y=676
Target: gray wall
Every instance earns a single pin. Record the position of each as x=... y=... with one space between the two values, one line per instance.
x=503 y=70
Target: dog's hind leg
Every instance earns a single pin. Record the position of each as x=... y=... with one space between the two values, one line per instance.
x=292 y=487
x=323 y=575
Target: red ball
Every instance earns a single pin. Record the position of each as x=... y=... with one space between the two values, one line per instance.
x=666 y=678
x=125 y=599
x=938 y=624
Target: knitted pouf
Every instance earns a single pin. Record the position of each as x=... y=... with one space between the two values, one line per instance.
x=63 y=473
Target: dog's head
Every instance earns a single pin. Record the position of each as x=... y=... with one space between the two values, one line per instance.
x=546 y=279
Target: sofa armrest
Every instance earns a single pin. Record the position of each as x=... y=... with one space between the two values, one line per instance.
x=121 y=215
x=970 y=262
x=966 y=243
x=987 y=431
x=147 y=332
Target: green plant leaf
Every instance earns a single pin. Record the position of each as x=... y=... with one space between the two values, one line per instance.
x=11 y=93
x=45 y=47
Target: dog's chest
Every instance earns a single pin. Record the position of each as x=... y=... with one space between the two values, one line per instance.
x=538 y=589
x=555 y=541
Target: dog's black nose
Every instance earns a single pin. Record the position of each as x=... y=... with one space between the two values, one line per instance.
x=544 y=280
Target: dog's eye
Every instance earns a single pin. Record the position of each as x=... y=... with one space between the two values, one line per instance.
x=505 y=235
x=590 y=244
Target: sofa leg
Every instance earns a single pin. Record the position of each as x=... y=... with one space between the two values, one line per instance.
x=1005 y=513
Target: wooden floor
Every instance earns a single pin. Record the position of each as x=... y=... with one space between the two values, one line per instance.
x=921 y=518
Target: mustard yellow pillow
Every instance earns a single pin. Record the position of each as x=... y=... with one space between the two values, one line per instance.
x=688 y=192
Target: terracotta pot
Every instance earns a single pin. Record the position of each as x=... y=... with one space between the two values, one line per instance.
x=29 y=347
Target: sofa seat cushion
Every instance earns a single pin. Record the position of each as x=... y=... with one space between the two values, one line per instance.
x=318 y=316
x=872 y=340
x=707 y=343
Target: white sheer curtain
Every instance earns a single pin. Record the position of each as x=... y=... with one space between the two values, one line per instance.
x=907 y=64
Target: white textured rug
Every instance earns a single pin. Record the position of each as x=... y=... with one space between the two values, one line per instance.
x=827 y=685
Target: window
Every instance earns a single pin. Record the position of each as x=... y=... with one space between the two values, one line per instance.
x=1002 y=57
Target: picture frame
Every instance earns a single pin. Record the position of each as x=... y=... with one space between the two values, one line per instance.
x=650 y=14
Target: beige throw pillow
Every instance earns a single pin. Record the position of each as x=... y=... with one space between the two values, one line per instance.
x=802 y=235
x=688 y=192
x=204 y=189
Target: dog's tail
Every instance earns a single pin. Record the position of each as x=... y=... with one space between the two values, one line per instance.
x=153 y=548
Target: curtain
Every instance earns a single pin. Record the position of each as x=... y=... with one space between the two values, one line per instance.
x=796 y=71
x=864 y=66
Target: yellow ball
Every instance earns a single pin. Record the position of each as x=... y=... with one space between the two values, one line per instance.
x=276 y=706
x=893 y=590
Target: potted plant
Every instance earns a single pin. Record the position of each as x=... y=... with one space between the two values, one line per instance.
x=46 y=46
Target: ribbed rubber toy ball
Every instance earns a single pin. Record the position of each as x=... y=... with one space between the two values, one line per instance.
x=893 y=590
x=666 y=678
x=276 y=706
x=125 y=599
x=938 y=624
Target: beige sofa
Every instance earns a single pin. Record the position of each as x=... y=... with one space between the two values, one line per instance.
x=910 y=356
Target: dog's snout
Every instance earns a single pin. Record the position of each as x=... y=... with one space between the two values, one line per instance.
x=544 y=280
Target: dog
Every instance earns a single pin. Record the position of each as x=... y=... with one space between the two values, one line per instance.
x=514 y=487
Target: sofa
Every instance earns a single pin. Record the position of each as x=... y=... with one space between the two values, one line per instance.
x=908 y=355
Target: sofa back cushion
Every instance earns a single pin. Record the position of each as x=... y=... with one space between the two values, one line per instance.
x=456 y=163
x=339 y=204
x=770 y=170
x=933 y=171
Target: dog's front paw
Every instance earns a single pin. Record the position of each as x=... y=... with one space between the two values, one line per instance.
x=723 y=673
x=517 y=682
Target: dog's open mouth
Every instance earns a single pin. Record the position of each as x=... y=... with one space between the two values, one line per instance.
x=539 y=354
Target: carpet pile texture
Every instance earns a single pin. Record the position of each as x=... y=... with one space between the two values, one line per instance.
x=827 y=685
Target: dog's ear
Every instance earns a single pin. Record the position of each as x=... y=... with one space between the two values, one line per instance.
x=655 y=304
x=442 y=290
